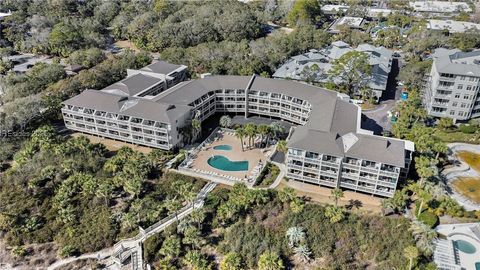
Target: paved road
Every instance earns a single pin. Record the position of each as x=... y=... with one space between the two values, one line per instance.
x=376 y=119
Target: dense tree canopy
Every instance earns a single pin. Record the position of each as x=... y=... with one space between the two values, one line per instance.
x=62 y=190
x=351 y=72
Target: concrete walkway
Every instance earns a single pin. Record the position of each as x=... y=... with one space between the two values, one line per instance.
x=281 y=175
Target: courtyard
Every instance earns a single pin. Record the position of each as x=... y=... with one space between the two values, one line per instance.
x=221 y=156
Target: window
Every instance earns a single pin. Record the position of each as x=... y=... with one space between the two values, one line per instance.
x=463 y=105
x=462 y=78
x=469 y=87
x=460 y=87
x=454 y=104
x=472 y=79
x=452 y=112
x=457 y=95
x=466 y=97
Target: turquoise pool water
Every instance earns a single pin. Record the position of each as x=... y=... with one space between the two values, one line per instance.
x=224 y=147
x=224 y=164
x=477 y=266
x=465 y=246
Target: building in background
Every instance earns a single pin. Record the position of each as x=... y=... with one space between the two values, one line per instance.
x=299 y=67
x=440 y=8
x=453 y=85
x=350 y=22
x=452 y=26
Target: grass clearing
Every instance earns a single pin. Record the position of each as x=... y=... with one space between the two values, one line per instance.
x=468 y=187
x=457 y=136
x=471 y=158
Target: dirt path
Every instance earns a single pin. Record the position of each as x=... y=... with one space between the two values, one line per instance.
x=322 y=195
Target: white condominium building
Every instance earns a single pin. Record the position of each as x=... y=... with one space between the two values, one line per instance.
x=453 y=86
x=326 y=147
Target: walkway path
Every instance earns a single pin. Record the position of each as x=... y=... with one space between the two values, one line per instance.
x=132 y=246
x=281 y=175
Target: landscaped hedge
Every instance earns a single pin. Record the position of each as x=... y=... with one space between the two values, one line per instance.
x=428 y=218
x=467 y=128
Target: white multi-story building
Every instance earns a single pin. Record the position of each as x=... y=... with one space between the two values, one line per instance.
x=440 y=8
x=327 y=146
x=453 y=85
x=453 y=26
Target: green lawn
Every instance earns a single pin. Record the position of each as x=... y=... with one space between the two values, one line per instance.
x=457 y=136
x=469 y=187
x=472 y=159
x=268 y=175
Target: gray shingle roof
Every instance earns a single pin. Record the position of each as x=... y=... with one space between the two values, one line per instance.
x=134 y=84
x=380 y=59
x=161 y=67
x=142 y=108
x=457 y=62
x=330 y=117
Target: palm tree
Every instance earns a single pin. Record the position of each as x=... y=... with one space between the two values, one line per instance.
x=225 y=121
x=170 y=247
x=354 y=204
x=192 y=236
x=105 y=189
x=335 y=195
x=240 y=133
x=133 y=186
x=198 y=216
x=276 y=129
x=423 y=166
x=197 y=127
x=411 y=253
x=287 y=194
x=424 y=236
x=270 y=260
x=173 y=205
x=334 y=213
x=424 y=196
x=263 y=130
x=231 y=261
x=282 y=146
x=295 y=235
x=250 y=131
x=303 y=252
x=190 y=197
x=398 y=202
x=297 y=205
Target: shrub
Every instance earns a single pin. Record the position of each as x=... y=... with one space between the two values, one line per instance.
x=428 y=218
x=467 y=128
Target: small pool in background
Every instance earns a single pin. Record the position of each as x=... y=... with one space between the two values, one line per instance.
x=477 y=266
x=224 y=164
x=223 y=147
x=465 y=246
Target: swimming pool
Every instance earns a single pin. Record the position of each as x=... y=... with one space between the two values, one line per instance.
x=224 y=164
x=465 y=246
x=477 y=266
x=224 y=147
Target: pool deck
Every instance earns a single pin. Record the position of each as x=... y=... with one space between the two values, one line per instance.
x=253 y=156
x=466 y=232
